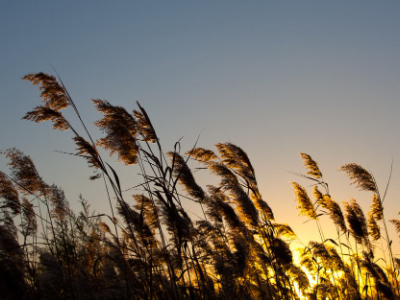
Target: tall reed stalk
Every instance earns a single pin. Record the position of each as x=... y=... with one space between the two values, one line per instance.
x=150 y=247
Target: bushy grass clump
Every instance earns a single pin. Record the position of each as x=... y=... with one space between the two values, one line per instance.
x=149 y=247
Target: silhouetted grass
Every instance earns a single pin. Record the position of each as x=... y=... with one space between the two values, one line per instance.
x=149 y=248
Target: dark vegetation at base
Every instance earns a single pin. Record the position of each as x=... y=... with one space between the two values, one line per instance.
x=149 y=247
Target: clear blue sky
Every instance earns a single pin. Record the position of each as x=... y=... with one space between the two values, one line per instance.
x=274 y=77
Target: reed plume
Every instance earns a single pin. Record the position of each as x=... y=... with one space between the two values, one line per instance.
x=236 y=159
x=373 y=228
x=45 y=113
x=247 y=210
x=377 y=208
x=121 y=129
x=201 y=154
x=59 y=202
x=154 y=248
x=306 y=207
x=53 y=94
x=226 y=210
x=86 y=150
x=228 y=177
x=144 y=127
x=281 y=251
x=9 y=193
x=263 y=207
x=183 y=173
x=396 y=223
x=28 y=222
x=319 y=197
x=311 y=165
x=335 y=212
x=147 y=210
x=356 y=220
x=300 y=277
x=23 y=171
x=360 y=177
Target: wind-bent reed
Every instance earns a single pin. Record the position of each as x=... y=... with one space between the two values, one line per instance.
x=149 y=247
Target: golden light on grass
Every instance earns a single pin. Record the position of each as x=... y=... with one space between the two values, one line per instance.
x=149 y=247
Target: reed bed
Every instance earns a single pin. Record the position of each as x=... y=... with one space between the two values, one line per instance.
x=148 y=247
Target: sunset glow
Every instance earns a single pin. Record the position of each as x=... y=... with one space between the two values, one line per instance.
x=200 y=150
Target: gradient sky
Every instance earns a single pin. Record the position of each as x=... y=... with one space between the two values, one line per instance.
x=273 y=77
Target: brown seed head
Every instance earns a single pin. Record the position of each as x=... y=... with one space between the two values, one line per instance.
x=359 y=176
x=53 y=94
x=377 y=208
x=311 y=165
x=305 y=205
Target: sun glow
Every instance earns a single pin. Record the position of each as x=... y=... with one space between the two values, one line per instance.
x=149 y=247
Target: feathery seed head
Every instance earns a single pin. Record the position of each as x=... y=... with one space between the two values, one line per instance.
x=311 y=165
x=104 y=227
x=53 y=94
x=318 y=196
x=149 y=211
x=185 y=176
x=59 y=202
x=121 y=129
x=359 y=176
x=235 y=158
x=24 y=172
x=226 y=210
x=373 y=227
x=247 y=210
x=396 y=223
x=28 y=219
x=45 y=113
x=9 y=193
x=377 y=208
x=263 y=206
x=356 y=220
x=228 y=178
x=305 y=205
x=87 y=150
x=284 y=230
x=231 y=152
x=336 y=214
x=281 y=251
x=144 y=127
x=201 y=154
x=300 y=277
